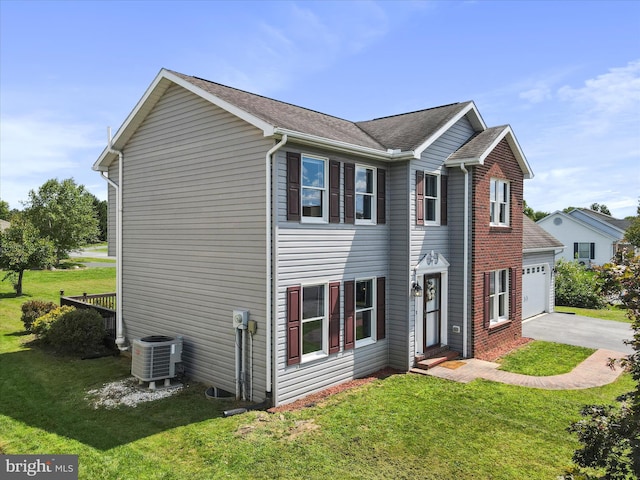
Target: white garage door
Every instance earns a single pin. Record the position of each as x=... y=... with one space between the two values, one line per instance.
x=534 y=290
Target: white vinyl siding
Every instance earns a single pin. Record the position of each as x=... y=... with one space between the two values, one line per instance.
x=193 y=248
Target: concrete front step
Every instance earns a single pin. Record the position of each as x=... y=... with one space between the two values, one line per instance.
x=431 y=362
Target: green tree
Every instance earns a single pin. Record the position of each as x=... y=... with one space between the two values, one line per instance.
x=100 y=207
x=22 y=248
x=610 y=435
x=576 y=286
x=63 y=212
x=533 y=215
x=596 y=207
x=632 y=235
x=5 y=213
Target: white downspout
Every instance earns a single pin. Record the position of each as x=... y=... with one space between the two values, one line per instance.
x=269 y=221
x=465 y=288
x=120 y=340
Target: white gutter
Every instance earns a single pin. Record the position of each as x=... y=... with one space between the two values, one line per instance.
x=269 y=220
x=120 y=340
x=346 y=147
x=465 y=288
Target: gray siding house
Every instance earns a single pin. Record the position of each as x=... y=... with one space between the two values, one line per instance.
x=352 y=246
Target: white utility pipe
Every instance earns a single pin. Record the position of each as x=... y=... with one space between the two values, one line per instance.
x=120 y=340
x=465 y=288
x=243 y=354
x=270 y=219
x=237 y=350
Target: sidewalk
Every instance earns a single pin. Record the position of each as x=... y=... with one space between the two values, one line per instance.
x=593 y=372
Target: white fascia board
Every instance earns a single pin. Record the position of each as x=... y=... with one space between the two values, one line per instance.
x=542 y=249
x=515 y=146
x=308 y=139
x=474 y=118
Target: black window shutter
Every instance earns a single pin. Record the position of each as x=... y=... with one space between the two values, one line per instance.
x=334 y=191
x=293 y=325
x=334 y=317
x=487 y=292
x=512 y=293
x=293 y=186
x=349 y=192
x=380 y=308
x=419 y=197
x=575 y=250
x=593 y=251
x=349 y=315
x=381 y=198
x=444 y=186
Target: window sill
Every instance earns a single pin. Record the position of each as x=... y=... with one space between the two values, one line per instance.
x=312 y=357
x=365 y=342
x=499 y=325
x=500 y=229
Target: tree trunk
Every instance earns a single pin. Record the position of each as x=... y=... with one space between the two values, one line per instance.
x=18 y=285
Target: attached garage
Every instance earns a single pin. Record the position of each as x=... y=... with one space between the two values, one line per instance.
x=538 y=260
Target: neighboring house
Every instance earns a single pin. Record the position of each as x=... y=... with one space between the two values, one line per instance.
x=539 y=249
x=353 y=246
x=591 y=237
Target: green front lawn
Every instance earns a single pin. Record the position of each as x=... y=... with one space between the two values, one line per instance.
x=542 y=359
x=405 y=426
x=610 y=313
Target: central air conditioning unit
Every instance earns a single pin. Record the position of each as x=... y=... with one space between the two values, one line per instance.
x=155 y=358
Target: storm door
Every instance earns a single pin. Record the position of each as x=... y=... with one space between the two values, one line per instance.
x=431 y=310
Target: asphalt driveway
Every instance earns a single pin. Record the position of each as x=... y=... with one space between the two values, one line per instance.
x=578 y=330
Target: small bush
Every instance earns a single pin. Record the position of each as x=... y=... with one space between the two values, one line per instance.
x=33 y=309
x=576 y=286
x=77 y=331
x=42 y=324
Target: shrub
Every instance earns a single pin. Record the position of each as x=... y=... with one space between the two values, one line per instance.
x=33 y=309
x=77 y=331
x=42 y=324
x=576 y=286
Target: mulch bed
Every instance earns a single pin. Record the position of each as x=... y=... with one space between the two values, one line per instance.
x=496 y=353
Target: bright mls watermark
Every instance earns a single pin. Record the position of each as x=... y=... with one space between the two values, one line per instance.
x=49 y=467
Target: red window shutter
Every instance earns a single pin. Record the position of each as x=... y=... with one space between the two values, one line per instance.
x=380 y=308
x=349 y=192
x=293 y=186
x=334 y=191
x=512 y=293
x=349 y=315
x=444 y=186
x=381 y=197
x=419 y=197
x=293 y=325
x=334 y=317
x=486 y=292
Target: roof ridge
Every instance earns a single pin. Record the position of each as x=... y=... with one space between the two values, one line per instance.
x=410 y=113
x=269 y=98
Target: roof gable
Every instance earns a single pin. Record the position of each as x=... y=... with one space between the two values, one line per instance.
x=619 y=224
x=477 y=149
x=402 y=136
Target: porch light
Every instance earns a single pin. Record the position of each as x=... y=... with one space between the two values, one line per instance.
x=416 y=289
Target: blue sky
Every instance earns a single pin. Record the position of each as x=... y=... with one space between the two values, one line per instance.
x=564 y=75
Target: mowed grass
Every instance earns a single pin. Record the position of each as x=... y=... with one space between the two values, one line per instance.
x=611 y=312
x=542 y=359
x=405 y=426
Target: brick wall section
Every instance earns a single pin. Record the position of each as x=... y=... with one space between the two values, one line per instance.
x=495 y=248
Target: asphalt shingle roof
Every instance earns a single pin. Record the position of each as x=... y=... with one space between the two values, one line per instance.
x=616 y=222
x=478 y=144
x=536 y=237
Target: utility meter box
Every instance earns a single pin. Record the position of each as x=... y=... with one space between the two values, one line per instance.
x=240 y=319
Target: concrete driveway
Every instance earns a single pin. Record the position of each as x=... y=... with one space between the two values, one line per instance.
x=578 y=330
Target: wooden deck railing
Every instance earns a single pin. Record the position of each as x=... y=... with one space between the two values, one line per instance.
x=103 y=303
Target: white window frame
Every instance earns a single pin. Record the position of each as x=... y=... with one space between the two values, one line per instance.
x=323 y=352
x=496 y=297
x=371 y=339
x=372 y=195
x=582 y=244
x=436 y=199
x=496 y=188
x=324 y=195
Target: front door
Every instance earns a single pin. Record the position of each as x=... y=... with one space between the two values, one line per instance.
x=432 y=305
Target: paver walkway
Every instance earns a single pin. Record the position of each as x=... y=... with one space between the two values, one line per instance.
x=593 y=372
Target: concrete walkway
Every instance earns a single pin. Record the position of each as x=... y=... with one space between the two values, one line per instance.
x=593 y=372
